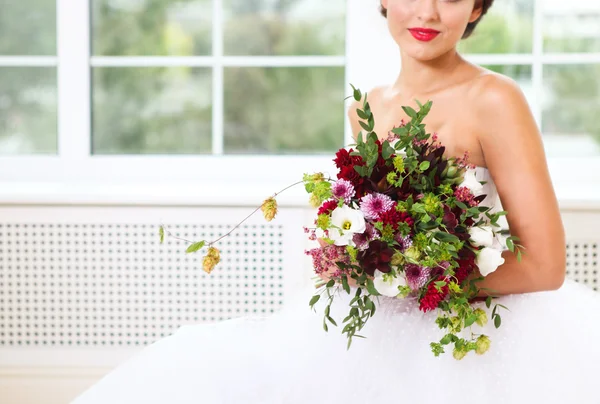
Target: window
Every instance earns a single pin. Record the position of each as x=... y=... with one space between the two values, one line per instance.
x=552 y=49
x=251 y=91
x=173 y=89
x=28 y=87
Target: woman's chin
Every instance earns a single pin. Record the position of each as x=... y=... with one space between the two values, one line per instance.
x=424 y=53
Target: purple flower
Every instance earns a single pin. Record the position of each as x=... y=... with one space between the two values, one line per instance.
x=373 y=205
x=343 y=189
x=416 y=276
x=404 y=242
x=361 y=240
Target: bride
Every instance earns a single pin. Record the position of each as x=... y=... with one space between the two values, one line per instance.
x=547 y=349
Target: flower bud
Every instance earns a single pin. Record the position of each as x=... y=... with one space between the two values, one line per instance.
x=483 y=345
x=455 y=324
x=459 y=353
x=314 y=201
x=452 y=171
x=269 y=209
x=211 y=260
x=413 y=253
x=482 y=318
x=397 y=259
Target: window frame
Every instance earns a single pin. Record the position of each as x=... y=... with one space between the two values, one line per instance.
x=74 y=166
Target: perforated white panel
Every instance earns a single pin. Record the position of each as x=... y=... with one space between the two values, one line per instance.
x=582 y=263
x=94 y=283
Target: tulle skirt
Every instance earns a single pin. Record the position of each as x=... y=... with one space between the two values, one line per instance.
x=547 y=350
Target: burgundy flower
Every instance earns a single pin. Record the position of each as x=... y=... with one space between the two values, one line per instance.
x=377 y=256
x=449 y=219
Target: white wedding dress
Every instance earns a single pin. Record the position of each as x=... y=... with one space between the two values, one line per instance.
x=547 y=350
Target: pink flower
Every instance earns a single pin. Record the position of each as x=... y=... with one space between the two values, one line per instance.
x=372 y=205
x=416 y=276
x=324 y=258
x=465 y=195
x=404 y=242
x=342 y=189
x=361 y=240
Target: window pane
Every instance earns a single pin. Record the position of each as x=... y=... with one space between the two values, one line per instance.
x=151 y=110
x=28 y=27
x=570 y=114
x=28 y=111
x=571 y=26
x=291 y=27
x=507 y=28
x=279 y=110
x=151 y=28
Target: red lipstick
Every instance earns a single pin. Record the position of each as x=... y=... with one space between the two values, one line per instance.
x=424 y=34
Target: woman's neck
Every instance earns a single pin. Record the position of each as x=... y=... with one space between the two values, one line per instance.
x=423 y=78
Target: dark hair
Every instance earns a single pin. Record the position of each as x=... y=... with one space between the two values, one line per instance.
x=485 y=5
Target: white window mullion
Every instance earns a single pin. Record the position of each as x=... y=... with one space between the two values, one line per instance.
x=28 y=61
x=74 y=104
x=218 y=111
x=537 y=74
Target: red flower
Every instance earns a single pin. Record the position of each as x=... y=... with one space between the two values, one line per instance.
x=348 y=173
x=394 y=218
x=327 y=207
x=342 y=158
x=433 y=297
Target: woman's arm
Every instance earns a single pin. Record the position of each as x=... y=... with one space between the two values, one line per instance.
x=514 y=154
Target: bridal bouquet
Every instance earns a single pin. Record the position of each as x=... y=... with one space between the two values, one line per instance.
x=402 y=221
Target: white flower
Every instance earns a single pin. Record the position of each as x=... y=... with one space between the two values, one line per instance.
x=471 y=182
x=387 y=284
x=482 y=236
x=349 y=221
x=488 y=260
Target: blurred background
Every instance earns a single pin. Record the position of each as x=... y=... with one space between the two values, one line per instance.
x=119 y=115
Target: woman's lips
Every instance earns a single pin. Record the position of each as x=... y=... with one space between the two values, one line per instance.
x=424 y=34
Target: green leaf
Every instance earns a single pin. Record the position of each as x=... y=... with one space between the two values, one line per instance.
x=345 y=284
x=470 y=320
x=331 y=321
x=387 y=150
x=424 y=165
x=497 y=321
x=488 y=301
x=356 y=93
x=314 y=300
x=194 y=247
x=161 y=233
x=330 y=284
x=446 y=340
x=461 y=205
x=325 y=326
x=410 y=112
x=361 y=114
x=371 y=288
x=519 y=256
x=446 y=237
x=510 y=245
x=364 y=126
